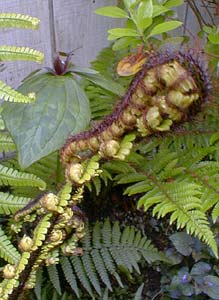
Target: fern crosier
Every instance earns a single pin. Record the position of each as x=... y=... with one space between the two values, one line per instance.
x=169 y=89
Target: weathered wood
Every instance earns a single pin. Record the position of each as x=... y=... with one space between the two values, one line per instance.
x=66 y=25
x=79 y=28
x=38 y=39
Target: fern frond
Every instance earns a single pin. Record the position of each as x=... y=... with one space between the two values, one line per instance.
x=7 y=251
x=6 y=142
x=54 y=278
x=9 y=176
x=182 y=201
x=9 y=203
x=8 y=20
x=105 y=250
x=9 y=94
x=41 y=230
x=69 y=274
x=9 y=53
x=81 y=274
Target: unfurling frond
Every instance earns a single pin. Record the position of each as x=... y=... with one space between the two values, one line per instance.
x=9 y=53
x=8 y=20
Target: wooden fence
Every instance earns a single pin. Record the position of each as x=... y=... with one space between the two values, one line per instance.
x=65 y=25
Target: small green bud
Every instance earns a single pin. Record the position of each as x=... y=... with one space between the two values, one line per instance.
x=93 y=143
x=50 y=202
x=187 y=85
x=128 y=118
x=116 y=129
x=150 y=81
x=25 y=244
x=109 y=148
x=142 y=129
x=74 y=172
x=56 y=236
x=153 y=117
x=9 y=271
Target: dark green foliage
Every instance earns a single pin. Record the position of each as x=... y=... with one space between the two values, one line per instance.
x=108 y=252
x=61 y=109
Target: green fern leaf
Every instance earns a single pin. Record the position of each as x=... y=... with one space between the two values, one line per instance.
x=106 y=233
x=110 y=266
x=69 y=274
x=100 y=267
x=116 y=233
x=6 y=142
x=41 y=230
x=111 y=251
x=181 y=199
x=9 y=176
x=9 y=53
x=39 y=283
x=9 y=203
x=9 y=94
x=18 y=21
x=97 y=236
x=81 y=273
x=91 y=272
x=54 y=278
x=7 y=251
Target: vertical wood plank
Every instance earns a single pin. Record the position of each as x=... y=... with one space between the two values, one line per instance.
x=78 y=27
x=38 y=39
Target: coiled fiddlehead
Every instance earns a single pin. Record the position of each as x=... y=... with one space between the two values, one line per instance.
x=169 y=88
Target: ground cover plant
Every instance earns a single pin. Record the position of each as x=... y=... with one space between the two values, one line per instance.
x=110 y=187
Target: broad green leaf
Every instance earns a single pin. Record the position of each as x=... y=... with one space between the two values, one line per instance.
x=144 y=23
x=200 y=269
x=159 y=9
x=98 y=79
x=112 y=11
x=61 y=109
x=214 y=38
x=145 y=9
x=125 y=42
x=182 y=242
x=207 y=29
x=81 y=70
x=121 y=32
x=131 y=3
x=173 y=3
x=164 y=27
x=211 y=286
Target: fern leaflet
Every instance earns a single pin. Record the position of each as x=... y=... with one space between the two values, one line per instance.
x=9 y=176
x=9 y=203
x=7 y=251
x=9 y=53
x=18 y=21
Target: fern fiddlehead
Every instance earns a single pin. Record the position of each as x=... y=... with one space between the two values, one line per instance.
x=169 y=88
